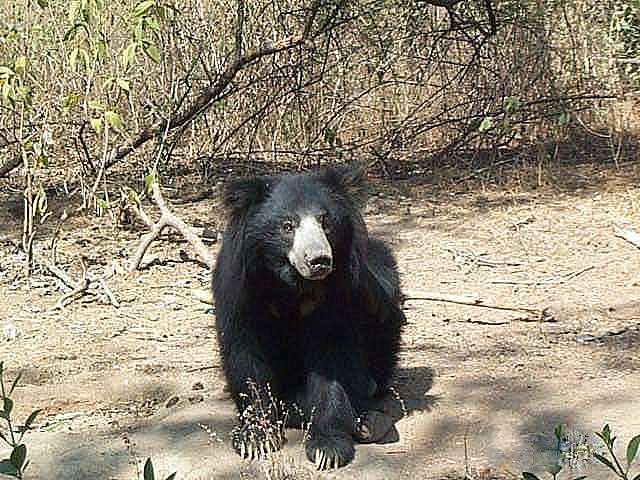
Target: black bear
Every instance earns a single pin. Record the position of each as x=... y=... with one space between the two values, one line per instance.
x=307 y=313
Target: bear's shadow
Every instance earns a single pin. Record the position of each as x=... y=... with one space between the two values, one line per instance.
x=412 y=386
x=408 y=394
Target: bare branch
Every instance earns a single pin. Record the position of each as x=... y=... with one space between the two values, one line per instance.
x=239 y=28
x=628 y=235
x=167 y=219
x=9 y=165
x=473 y=302
x=212 y=93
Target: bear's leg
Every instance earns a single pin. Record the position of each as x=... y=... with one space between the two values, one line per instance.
x=255 y=393
x=330 y=442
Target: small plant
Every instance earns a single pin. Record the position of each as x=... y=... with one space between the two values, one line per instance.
x=569 y=451
x=563 y=453
x=11 y=434
x=614 y=464
x=149 y=474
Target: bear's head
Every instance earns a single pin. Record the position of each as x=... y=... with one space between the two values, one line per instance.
x=298 y=227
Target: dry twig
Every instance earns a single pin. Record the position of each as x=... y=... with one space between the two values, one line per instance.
x=167 y=219
x=628 y=235
x=84 y=285
x=552 y=281
x=541 y=315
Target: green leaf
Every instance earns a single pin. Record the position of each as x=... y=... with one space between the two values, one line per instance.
x=604 y=461
x=133 y=197
x=148 y=470
x=102 y=49
x=43 y=3
x=86 y=59
x=73 y=58
x=20 y=63
x=41 y=202
x=19 y=455
x=29 y=421
x=529 y=476
x=153 y=23
x=149 y=181
x=15 y=382
x=123 y=83
x=142 y=8
x=558 y=433
x=632 y=450
x=152 y=52
x=7 y=406
x=511 y=104
x=8 y=468
x=96 y=124
x=70 y=102
x=114 y=120
x=8 y=92
x=74 y=9
x=605 y=435
x=172 y=476
x=486 y=124
x=129 y=54
x=6 y=72
x=564 y=118
x=506 y=125
x=95 y=105
x=101 y=205
x=106 y=85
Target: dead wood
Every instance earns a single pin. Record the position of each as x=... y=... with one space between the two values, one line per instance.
x=628 y=235
x=167 y=219
x=410 y=295
x=551 y=281
x=84 y=285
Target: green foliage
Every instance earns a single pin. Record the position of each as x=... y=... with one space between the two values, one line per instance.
x=16 y=464
x=614 y=464
x=146 y=16
x=626 y=24
x=501 y=125
x=149 y=474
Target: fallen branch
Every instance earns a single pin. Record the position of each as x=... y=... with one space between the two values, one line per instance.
x=553 y=281
x=167 y=219
x=628 y=235
x=541 y=315
x=80 y=287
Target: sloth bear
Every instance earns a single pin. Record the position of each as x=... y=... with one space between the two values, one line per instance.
x=307 y=314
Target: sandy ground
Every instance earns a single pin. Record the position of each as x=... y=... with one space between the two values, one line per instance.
x=483 y=389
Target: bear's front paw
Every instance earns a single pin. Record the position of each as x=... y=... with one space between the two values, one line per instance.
x=254 y=441
x=330 y=451
x=375 y=427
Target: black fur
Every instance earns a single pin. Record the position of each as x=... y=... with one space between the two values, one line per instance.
x=328 y=346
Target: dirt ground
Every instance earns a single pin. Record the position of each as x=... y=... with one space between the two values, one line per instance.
x=482 y=388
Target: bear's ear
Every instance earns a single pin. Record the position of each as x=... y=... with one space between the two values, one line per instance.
x=239 y=195
x=347 y=179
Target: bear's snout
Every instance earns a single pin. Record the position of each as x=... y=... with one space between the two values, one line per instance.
x=311 y=253
x=320 y=266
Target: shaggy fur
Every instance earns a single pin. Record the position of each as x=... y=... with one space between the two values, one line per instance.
x=327 y=346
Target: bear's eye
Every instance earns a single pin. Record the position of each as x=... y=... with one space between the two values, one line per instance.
x=288 y=226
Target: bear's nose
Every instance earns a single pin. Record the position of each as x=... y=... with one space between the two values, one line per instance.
x=320 y=264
